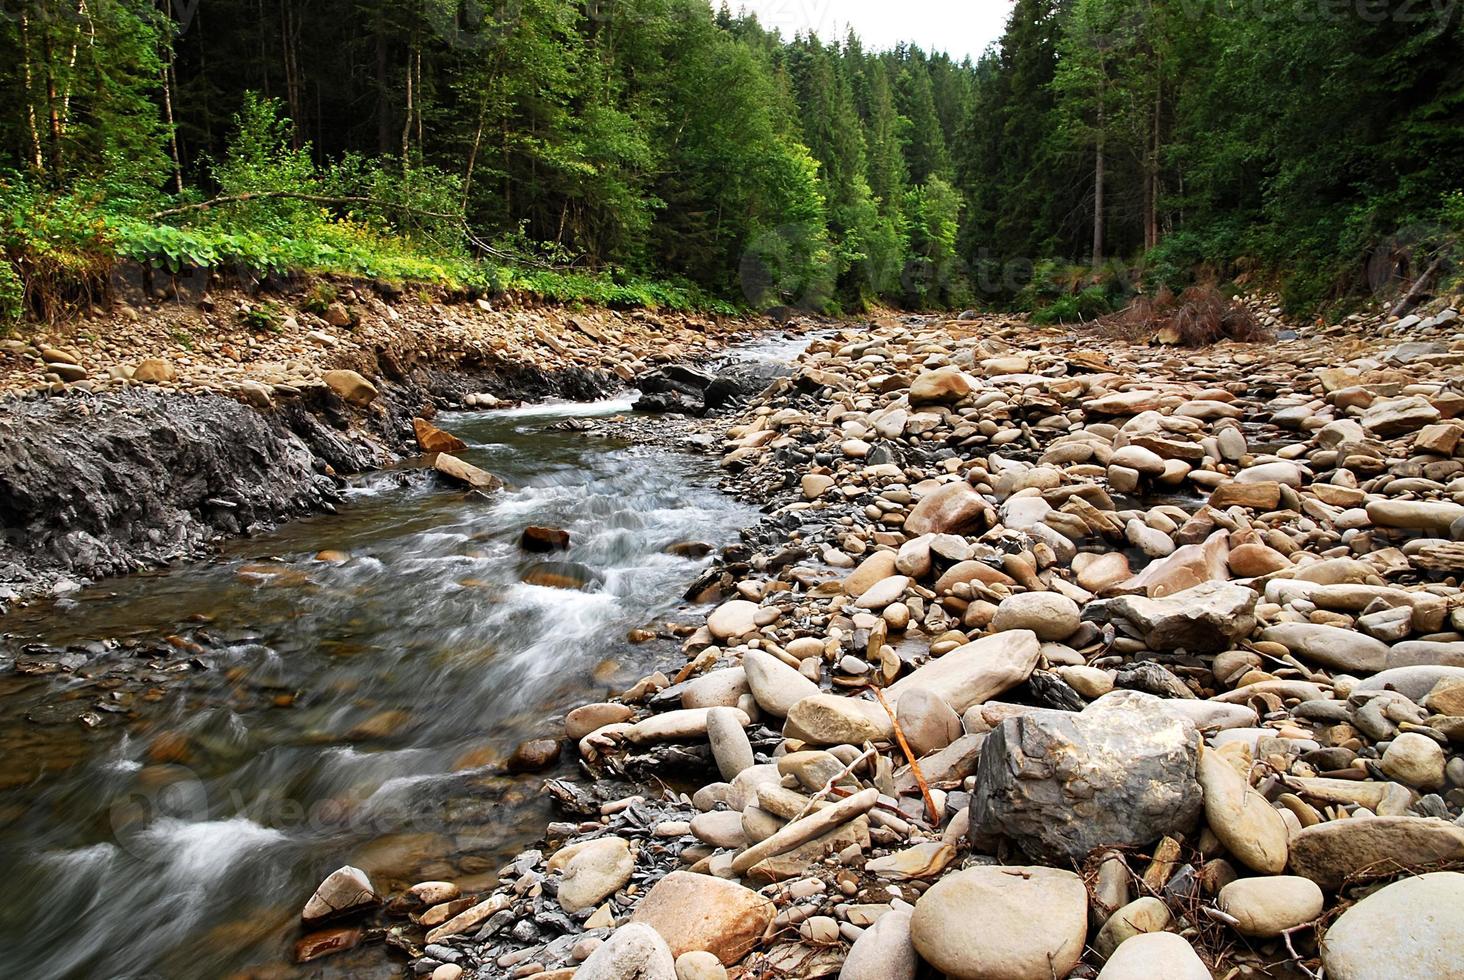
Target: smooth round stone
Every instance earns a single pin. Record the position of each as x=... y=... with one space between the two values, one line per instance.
x=1050 y=615
x=1090 y=682
x=1137 y=458
x=928 y=721
x=1143 y=915
x=883 y=593
x=820 y=930
x=633 y=950
x=733 y=619
x=1267 y=907
x=1407 y=931
x=583 y=720
x=884 y=951
x=1416 y=760
x=1105 y=571
x=1248 y=826
x=1155 y=955
x=729 y=743
x=699 y=965
x=990 y=923
x=598 y=869
x=775 y=685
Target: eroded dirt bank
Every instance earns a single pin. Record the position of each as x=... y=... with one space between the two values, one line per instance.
x=136 y=437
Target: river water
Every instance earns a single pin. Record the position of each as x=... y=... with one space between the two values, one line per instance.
x=232 y=730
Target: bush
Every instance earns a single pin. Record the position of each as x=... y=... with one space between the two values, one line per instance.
x=12 y=296
x=1199 y=317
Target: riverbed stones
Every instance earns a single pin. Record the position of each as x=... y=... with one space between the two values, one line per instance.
x=344 y=892
x=1143 y=915
x=699 y=965
x=1330 y=646
x=587 y=718
x=539 y=539
x=1002 y=923
x=1249 y=827
x=598 y=870
x=1330 y=853
x=1061 y=784
x=927 y=720
x=155 y=371
x=830 y=719
x=533 y=755
x=1408 y=930
x=699 y=912
x=632 y=952
x=1268 y=906
x=942 y=386
x=1432 y=516
x=1047 y=614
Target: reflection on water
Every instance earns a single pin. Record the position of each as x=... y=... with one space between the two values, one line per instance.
x=310 y=712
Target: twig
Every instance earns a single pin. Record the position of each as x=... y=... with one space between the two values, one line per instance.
x=914 y=765
x=1295 y=957
x=829 y=786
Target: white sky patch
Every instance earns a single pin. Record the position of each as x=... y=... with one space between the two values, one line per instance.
x=958 y=27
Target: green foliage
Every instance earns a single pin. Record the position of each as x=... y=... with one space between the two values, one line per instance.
x=12 y=296
x=263 y=317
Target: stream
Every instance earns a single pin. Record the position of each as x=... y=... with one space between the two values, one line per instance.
x=343 y=690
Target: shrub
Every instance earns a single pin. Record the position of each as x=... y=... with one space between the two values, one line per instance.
x=1199 y=317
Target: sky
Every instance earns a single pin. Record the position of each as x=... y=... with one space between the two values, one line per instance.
x=958 y=27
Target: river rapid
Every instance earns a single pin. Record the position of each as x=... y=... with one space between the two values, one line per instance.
x=194 y=749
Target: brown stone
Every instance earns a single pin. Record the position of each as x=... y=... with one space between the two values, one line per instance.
x=693 y=911
x=465 y=473
x=1255 y=496
x=434 y=440
x=325 y=942
x=540 y=539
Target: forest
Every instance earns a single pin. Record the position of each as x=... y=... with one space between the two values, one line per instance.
x=665 y=152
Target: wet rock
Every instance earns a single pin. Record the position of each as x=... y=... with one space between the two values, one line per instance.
x=1009 y=923
x=563 y=575
x=698 y=912
x=1059 y=784
x=1408 y=931
x=540 y=539
x=465 y=474
x=535 y=755
x=433 y=440
x=345 y=891
x=325 y=942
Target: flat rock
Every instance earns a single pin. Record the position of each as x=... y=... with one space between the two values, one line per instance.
x=1207 y=618
x=775 y=686
x=975 y=672
x=1329 y=853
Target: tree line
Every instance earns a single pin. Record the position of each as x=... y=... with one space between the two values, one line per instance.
x=1099 y=147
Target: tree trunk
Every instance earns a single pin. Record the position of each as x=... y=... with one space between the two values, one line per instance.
x=53 y=111
x=1098 y=191
x=383 y=103
x=473 y=153
x=407 y=126
x=30 y=105
x=1151 y=177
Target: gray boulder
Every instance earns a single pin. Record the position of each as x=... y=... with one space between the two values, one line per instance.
x=1060 y=784
x=1203 y=619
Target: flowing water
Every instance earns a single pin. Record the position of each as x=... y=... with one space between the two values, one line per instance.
x=167 y=804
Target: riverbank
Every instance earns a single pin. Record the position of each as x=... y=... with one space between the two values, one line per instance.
x=139 y=436
x=1186 y=623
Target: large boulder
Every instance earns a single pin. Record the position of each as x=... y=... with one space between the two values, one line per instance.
x=1407 y=931
x=995 y=923
x=1205 y=619
x=1060 y=784
x=693 y=911
x=976 y=672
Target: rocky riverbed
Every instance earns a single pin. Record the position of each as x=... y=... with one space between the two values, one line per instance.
x=1052 y=656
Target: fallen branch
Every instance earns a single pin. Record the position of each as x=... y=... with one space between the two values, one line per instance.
x=914 y=765
x=828 y=787
x=1416 y=290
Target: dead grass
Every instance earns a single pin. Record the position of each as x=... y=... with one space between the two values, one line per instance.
x=1198 y=317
